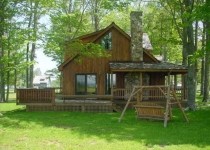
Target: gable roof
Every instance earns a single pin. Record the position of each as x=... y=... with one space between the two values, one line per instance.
x=101 y=32
x=97 y=34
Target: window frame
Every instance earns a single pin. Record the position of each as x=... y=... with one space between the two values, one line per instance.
x=86 y=84
x=107 y=38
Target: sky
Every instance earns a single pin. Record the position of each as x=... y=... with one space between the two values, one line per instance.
x=43 y=62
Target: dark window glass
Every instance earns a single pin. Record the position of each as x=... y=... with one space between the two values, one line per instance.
x=80 y=84
x=110 y=79
x=86 y=84
x=106 y=41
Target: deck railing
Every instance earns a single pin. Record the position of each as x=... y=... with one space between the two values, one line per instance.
x=47 y=95
x=148 y=93
x=28 y=96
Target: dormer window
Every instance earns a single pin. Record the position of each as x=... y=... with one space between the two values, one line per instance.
x=106 y=41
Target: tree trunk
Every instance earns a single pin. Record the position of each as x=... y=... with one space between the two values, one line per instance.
x=94 y=15
x=184 y=60
x=15 y=80
x=196 y=48
x=203 y=59
x=96 y=19
x=3 y=5
x=33 y=48
x=8 y=72
x=207 y=64
x=27 y=69
x=2 y=76
x=191 y=76
x=8 y=87
x=28 y=48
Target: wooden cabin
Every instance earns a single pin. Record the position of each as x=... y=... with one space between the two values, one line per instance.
x=131 y=65
x=115 y=75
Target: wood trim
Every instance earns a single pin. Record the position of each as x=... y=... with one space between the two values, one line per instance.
x=112 y=25
x=151 y=56
x=178 y=71
x=60 y=68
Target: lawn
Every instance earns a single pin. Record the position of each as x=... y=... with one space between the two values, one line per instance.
x=100 y=131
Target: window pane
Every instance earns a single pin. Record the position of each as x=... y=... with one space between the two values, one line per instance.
x=91 y=84
x=80 y=84
x=106 y=41
x=110 y=79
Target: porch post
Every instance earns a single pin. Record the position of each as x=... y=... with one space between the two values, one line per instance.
x=168 y=109
x=175 y=81
x=139 y=95
x=183 y=90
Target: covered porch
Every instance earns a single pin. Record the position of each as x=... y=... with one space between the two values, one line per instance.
x=154 y=88
x=150 y=76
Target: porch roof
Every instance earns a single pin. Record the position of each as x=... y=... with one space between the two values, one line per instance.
x=147 y=67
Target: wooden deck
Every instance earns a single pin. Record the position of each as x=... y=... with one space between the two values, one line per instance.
x=47 y=100
x=73 y=105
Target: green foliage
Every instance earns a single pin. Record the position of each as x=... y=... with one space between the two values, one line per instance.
x=202 y=12
x=69 y=23
x=159 y=25
x=83 y=50
x=65 y=25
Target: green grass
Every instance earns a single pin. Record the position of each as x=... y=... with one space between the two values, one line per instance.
x=98 y=131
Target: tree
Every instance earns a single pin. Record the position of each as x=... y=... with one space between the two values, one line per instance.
x=67 y=22
x=160 y=27
x=34 y=10
x=6 y=14
x=13 y=29
x=204 y=14
x=182 y=11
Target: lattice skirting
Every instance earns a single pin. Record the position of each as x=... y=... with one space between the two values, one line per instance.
x=72 y=108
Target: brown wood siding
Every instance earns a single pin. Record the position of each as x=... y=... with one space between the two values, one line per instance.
x=157 y=78
x=121 y=47
x=99 y=66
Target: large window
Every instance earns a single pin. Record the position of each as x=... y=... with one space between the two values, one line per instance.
x=85 y=84
x=106 y=41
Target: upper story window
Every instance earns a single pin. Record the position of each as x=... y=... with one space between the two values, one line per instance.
x=106 y=41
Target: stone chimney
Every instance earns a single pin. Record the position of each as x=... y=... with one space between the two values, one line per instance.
x=136 y=36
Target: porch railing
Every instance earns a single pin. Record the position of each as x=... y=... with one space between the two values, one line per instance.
x=121 y=93
x=148 y=93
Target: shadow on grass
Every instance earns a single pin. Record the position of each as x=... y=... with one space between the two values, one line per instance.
x=106 y=126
